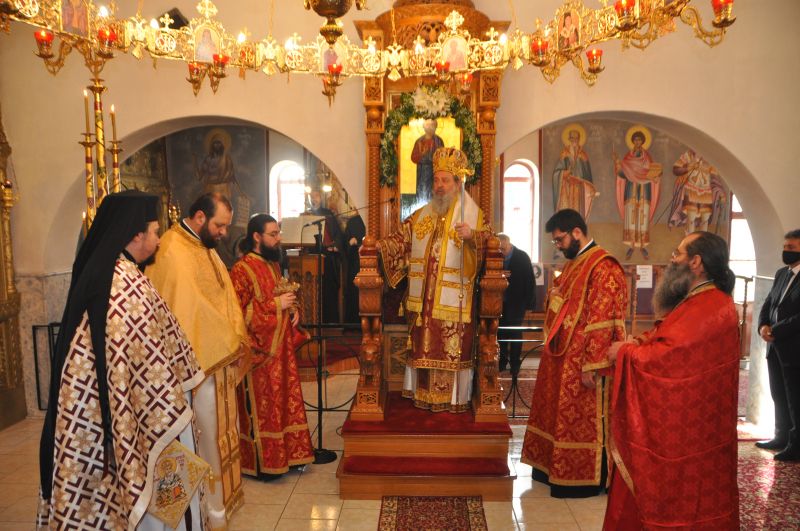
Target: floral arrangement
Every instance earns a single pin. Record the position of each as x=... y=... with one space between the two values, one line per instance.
x=428 y=102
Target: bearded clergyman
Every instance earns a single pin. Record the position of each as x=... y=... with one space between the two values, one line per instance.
x=584 y=313
x=194 y=282
x=674 y=406
x=272 y=417
x=440 y=249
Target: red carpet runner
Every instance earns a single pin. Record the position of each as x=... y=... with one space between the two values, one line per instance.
x=434 y=513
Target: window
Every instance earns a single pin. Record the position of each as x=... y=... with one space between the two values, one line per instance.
x=521 y=206
x=742 y=252
x=286 y=190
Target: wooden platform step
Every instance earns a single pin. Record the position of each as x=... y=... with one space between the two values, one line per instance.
x=372 y=477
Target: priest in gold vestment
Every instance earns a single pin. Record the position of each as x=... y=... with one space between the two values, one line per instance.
x=193 y=280
x=440 y=249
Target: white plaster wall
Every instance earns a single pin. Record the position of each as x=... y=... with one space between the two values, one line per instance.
x=736 y=103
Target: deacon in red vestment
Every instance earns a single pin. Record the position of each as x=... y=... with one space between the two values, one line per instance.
x=585 y=313
x=673 y=413
x=272 y=418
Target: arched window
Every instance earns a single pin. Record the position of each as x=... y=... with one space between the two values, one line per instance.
x=743 y=254
x=521 y=206
x=286 y=190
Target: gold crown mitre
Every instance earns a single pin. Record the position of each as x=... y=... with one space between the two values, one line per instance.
x=452 y=160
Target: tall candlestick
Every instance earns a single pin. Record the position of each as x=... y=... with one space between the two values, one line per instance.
x=113 y=124
x=86 y=108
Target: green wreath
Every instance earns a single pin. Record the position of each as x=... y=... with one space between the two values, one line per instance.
x=400 y=116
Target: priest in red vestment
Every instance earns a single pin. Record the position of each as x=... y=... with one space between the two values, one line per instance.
x=674 y=405
x=273 y=429
x=440 y=249
x=585 y=313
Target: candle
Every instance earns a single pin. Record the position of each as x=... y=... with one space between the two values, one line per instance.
x=220 y=59
x=43 y=36
x=113 y=124
x=106 y=36
x=719 y=5
x=623 y=7
x=86 y=108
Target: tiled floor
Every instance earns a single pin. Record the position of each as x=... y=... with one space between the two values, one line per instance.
x=305 y=499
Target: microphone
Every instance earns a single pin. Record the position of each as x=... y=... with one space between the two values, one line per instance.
x=319 y=221
x=322 y=220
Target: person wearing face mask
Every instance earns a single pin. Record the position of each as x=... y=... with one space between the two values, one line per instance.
x=779 y=326
x=584 y=313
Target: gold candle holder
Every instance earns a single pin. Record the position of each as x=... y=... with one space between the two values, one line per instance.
x=115 y=150
x=100 y=142
x=91 y=206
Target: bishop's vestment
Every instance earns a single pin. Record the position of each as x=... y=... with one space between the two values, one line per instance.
x=428 y=251
x=150 y=368
x=273 y=429
x=673 y=420
x=585 y=313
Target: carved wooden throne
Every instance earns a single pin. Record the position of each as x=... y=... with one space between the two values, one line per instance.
x=370 y=395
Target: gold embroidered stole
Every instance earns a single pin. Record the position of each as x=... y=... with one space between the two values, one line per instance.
x=564 y=309
x=280 y=329
x=448 y=278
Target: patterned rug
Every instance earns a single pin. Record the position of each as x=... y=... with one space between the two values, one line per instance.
x=769 y=491
x=432 y=513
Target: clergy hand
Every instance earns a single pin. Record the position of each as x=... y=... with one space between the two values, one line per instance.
x=766 y=333
x=464 y=231
x=353 y=241
x=288 y=300
x=587 y=379
x=613 y=350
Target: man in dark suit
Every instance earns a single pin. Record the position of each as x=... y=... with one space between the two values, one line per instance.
x=779 y=326
x=518 y=298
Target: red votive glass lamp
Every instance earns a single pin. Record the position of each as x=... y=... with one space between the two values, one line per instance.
x=220 y=60
x=539 y=51
x=195 y=70
x=723 y=13
x=442 y=67
x=44 y=41
x=595 y=57
x=624 y=8
x=106 y=36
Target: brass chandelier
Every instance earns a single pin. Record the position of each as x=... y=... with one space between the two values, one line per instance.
x=572 y=35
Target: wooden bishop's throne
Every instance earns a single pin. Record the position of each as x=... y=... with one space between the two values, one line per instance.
x=391 y=447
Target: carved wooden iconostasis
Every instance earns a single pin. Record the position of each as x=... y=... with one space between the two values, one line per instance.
x=408 y=20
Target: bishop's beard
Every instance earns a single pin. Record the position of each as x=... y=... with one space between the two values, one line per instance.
x=270 y=254
x=441 y=203
x=673 y=288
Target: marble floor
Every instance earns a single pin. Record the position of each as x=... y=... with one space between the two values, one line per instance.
x=306 y=499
